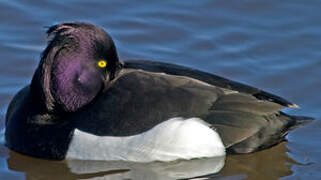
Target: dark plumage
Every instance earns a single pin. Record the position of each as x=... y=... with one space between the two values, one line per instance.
x=69 y=90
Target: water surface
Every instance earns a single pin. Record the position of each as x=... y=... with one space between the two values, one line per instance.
x=268 y=44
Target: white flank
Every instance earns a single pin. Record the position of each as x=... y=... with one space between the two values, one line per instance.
x=176 y=138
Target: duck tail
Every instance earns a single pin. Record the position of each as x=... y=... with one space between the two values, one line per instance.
x=293 y=123
x=300 y=121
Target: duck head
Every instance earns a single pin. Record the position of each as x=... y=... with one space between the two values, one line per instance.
x=78 y=63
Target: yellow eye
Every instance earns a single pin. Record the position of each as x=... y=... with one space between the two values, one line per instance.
x=102 y=63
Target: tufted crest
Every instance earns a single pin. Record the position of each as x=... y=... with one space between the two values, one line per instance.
x=66 y=38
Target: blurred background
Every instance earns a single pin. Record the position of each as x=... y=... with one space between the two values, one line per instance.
x=271 y=45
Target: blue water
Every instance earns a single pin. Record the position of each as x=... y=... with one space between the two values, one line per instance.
x=271 y=45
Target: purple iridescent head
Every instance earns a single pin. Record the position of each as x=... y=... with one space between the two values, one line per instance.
x=79 y=62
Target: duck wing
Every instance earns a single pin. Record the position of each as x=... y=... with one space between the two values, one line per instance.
x=247 y=118
x=247 y=124
x=212 y=79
